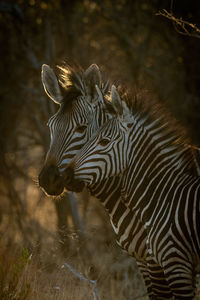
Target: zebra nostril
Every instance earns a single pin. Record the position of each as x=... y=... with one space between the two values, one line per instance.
x=53 y=177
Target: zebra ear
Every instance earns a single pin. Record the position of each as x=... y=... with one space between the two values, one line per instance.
x=50 y=84
x=92 y=78
x=116 y=100
x=120 y=106
x=99 y=92
x=126 y=111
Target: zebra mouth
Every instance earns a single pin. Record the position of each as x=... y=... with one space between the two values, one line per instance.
x=53 y=192
x=75 y=186
x=70 y=183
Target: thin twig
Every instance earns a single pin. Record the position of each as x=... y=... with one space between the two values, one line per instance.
x=183 y=27
x=93 y=282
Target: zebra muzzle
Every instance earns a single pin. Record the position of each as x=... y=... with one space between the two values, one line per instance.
x=70 y=182
x=51 y=181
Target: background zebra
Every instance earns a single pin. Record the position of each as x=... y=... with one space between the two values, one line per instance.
x=82 y=111
x=158 y=189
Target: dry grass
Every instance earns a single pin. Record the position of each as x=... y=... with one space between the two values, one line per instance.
x=45 y=276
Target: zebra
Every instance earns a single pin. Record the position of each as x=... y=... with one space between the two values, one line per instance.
x=82 y=110
x=158 y=190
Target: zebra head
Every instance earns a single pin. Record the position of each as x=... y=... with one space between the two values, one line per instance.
x=106 y=153
x=81 y=112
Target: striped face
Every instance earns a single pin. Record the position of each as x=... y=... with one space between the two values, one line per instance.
x=80 y=114
x=70 y=130
x=105 y=155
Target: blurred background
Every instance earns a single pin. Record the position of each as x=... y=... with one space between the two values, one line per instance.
x=133 y=45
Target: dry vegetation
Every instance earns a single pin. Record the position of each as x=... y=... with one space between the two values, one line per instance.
x=41 y=273
x=27 y=274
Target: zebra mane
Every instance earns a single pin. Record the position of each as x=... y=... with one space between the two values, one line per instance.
x=142 y=105
x=73 y=83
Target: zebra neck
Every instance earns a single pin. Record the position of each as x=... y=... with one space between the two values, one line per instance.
x=151 y=173
x=109 y=194
x=155 y=155
x=107 y=191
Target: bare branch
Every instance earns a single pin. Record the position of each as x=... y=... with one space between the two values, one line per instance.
x=75 y=215
x=183 y=27
x=93 y=282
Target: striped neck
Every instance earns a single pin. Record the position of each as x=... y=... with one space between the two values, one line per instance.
x=157 y=159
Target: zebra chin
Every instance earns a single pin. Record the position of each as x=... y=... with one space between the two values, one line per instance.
x=50 y=192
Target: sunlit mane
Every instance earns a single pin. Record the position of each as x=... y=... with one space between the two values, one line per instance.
x=142 y=103
x=71 y=77
x=72 y=82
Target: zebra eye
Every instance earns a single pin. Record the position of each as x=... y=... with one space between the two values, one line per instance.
x=80 y=128
x=104 y=141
